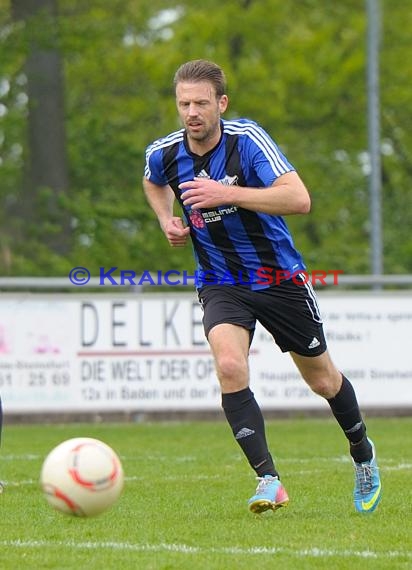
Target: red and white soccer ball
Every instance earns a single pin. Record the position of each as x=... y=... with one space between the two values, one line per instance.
x=82 y=477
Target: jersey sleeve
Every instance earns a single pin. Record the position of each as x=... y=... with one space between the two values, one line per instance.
x=265 y=157
x=154 y=170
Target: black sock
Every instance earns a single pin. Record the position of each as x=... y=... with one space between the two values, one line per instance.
x=346 y=410
x=247 y=423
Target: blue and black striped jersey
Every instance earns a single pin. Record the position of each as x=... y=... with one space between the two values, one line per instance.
x=228 y=240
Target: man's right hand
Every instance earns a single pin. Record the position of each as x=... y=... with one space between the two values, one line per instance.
x=176 y=233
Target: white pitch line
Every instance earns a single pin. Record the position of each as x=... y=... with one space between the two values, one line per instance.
x=236 y=457
x=131 y=478
x=185 y=549
x=20 y=483
x=386 y=465
x=201 y=477
x=398 y=467
x=24 y=457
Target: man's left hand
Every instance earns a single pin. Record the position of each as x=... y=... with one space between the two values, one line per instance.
x=205 y=193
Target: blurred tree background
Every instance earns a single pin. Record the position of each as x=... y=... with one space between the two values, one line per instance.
x=85 y=86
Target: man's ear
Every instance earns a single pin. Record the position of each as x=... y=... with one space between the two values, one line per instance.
x=223 y=103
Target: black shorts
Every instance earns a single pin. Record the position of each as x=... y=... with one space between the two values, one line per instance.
x=288 y=311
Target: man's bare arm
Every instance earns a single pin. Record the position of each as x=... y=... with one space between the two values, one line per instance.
x=161 y=200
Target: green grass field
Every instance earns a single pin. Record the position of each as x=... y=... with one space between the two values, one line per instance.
x=184 y=502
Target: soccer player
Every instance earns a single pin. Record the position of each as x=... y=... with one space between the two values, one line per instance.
x=234 y=187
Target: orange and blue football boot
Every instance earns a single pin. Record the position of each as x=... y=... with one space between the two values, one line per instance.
x=270 y=494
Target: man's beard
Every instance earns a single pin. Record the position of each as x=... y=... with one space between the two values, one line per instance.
x=203 y=136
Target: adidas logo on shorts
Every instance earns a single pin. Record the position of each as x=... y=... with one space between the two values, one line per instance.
x=315 y=342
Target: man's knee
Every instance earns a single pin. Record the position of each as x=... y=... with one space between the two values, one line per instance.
x=324 y=384
x=231 y=367
x=233 y=373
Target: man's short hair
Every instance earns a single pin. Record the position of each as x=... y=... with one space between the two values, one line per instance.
x=202 y=70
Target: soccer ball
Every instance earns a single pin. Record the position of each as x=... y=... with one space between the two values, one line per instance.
x=82 y=477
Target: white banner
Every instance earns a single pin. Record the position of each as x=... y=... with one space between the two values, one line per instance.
x=148 y=353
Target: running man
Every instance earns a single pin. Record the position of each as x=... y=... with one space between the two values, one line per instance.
x=234 y=187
